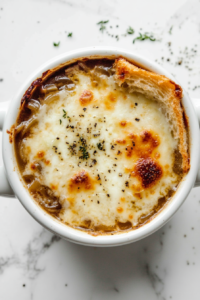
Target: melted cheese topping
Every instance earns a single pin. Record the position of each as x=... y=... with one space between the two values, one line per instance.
x=106 y=153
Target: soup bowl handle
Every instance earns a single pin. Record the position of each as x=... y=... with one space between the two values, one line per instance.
x=196 y=103
x=5 y=189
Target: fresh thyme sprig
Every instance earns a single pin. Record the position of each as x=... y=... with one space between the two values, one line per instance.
x=145 y=36
x=102 y=25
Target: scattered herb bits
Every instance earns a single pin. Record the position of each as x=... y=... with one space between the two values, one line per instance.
x=170 y=30
x=83 y=149
x=65 y=114
x=100 y=146
x=130 y=30
x=56 y=44
x=102 y=25
x=145 y=36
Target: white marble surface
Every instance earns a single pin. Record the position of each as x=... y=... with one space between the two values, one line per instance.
x=34 y=264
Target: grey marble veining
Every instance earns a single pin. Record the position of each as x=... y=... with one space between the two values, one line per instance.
x=34 y=264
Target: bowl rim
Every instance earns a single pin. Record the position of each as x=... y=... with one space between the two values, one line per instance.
x=67 y=232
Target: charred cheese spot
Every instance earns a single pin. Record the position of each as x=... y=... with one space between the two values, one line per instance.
x=142 y=145
x=81 y=181
x=110 y=101
x=33 y=166
x=121 y=141
x=86 y=97
x=138 y=195
x=40 y=154
x=120 y=210
x=148 y=171
x=129 y=150
x=149 y=138
x=123 y=123
x=54 y=186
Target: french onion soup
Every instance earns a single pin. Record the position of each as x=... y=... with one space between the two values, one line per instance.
x=102 y=144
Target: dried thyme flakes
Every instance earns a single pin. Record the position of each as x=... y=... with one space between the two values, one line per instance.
x=83 y=149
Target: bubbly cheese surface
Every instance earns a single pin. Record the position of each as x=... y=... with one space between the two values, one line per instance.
x=107 y=154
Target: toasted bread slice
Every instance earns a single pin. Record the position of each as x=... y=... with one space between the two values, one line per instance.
x=162 y=89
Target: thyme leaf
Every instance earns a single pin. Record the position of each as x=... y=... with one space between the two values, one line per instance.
x=130 y=30
x=85 y=154
x=170 y=30
x=102 y=23
x=72 y=149
x=56 y=44
x=83 y=149
x=145 y=36
x=70 y=34
x=65 y=114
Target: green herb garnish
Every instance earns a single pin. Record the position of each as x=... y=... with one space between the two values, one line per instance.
x=102 y=23
x=72 y=149
x=130 y=30
x=60 y=121
x=83 y=149
x=170 y=30
x=70 y=34
x=145 y=36
x=85 y=154
x=56 y=44
x=65 y=114
x=100 y=146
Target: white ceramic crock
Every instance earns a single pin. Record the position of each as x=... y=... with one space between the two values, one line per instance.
x=10 y=184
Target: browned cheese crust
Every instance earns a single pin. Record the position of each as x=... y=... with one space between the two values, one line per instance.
x=162 y=89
